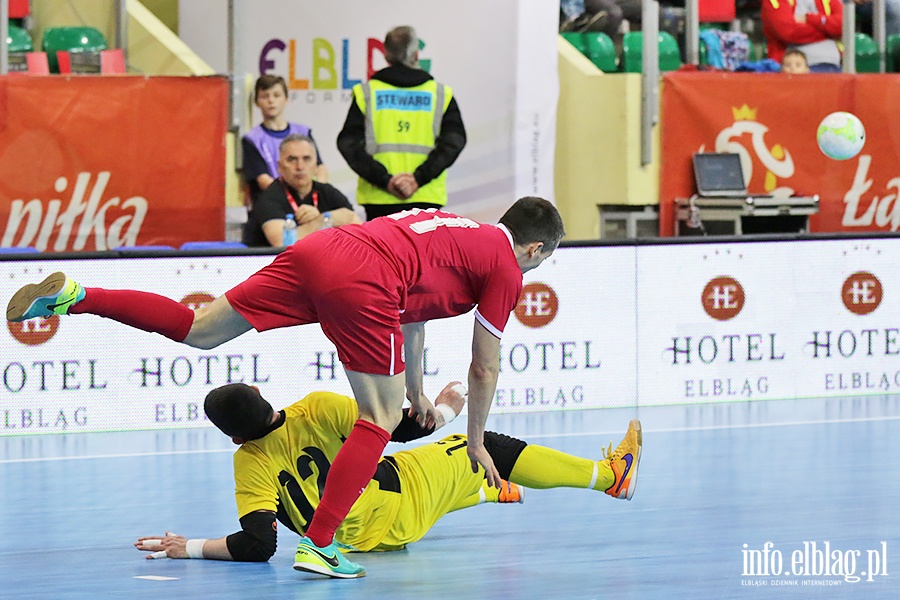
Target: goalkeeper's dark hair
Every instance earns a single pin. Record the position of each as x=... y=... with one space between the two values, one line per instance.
x=239 y=410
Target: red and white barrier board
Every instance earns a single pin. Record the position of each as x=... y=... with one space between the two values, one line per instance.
x=619 y=326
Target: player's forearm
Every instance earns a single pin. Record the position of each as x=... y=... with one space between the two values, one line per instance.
x=414 y=348
x=216 y=549
x=482 y=385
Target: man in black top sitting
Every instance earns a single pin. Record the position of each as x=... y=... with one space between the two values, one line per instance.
x=314 y=205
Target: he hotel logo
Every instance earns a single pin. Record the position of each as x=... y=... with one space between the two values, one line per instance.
x=723 y=297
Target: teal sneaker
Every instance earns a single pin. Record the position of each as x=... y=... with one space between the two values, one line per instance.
x=325 y=561
x=52 y=296
x=345 y=548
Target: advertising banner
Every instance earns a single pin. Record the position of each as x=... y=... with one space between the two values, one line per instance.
x=596 y=327
x=771 y=120
x=768 y=320
x=562 y=348
x=93 y=163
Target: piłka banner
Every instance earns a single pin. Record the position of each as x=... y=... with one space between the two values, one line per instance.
x=94 y=163
x=771 y=120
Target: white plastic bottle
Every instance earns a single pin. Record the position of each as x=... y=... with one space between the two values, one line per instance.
x=290 y=230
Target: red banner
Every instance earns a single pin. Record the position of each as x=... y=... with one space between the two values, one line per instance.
x=94 y=162
x=771 y=121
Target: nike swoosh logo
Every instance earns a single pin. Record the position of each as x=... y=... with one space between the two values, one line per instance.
x=628 y=458
x=68 y=300
x=52 y=307
x=331 y=560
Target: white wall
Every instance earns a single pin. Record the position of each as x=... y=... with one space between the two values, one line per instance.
x=499 y=57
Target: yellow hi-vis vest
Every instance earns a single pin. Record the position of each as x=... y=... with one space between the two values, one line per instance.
x=402 y=125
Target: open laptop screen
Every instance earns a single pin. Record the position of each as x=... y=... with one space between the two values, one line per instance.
x=719 y=174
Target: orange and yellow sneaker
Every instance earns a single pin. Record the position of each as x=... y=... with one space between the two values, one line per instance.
x=624 y=462
x=511 y=493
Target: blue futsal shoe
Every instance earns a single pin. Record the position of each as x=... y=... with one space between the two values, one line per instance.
x=325 y=561
x=52 y=296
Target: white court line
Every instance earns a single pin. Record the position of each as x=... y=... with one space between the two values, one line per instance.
x=529 y=437
x=715 y=427
x=131 y=455
x=156 y=578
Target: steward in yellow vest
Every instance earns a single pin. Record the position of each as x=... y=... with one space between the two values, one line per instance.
x=402 y=132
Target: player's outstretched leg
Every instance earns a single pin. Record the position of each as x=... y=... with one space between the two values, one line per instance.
x=624 y=462
x=53 y=296
x=325 y=561
x=541 y=467
x=207 y=327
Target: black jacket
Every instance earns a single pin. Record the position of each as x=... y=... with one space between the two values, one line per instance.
x=451 y=140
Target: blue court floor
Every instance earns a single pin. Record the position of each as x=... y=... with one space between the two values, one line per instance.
x=753 y=500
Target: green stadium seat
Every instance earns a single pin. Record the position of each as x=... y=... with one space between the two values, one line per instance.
x=577 y=39
x=669 y=53
x=758 y=51
x=601 y=51
x=892 y=53
x=866 y=54
x=632 y=52
x=74 y=40
x=19 y=46
x=19 y=40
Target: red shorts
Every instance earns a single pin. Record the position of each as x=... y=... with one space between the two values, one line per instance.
x=335 y=280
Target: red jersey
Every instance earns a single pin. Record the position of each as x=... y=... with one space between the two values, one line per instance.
x=449 y=264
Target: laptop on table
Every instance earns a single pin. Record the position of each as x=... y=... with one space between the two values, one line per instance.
x=719 y=175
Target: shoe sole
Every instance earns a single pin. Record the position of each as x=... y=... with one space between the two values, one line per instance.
x=24 y=299
x=636 y=425
x=326 y=571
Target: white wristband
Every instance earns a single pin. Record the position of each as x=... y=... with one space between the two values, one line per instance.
x=194 y=548
x=448 y=413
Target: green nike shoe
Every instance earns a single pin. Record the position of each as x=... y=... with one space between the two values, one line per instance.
x=53 y=296
x=325 y=561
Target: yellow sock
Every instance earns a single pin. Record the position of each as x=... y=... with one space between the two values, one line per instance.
x=540 y=467
x=485 y=494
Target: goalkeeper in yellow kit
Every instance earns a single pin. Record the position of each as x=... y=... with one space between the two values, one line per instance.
x=281 y=466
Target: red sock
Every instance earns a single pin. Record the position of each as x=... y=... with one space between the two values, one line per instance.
x=348 y=476
x=143 y=310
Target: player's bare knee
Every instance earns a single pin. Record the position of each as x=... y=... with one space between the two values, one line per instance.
x=203 y=333
x=387 y=420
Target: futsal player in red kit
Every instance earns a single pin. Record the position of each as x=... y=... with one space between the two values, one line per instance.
x=371 y=287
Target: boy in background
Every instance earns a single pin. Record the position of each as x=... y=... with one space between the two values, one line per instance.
x=794 y=62
x=260 y=145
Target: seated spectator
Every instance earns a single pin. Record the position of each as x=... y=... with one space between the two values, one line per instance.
x=812 y=26
x=260 y=145
x=794 y=62
x=315 y=205
x=592 y=15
